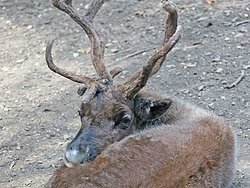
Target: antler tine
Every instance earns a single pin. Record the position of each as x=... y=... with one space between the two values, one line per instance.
x=72 y=76
x=171 y=25
x=93 y=9
x=86 y=22
x=172 y=35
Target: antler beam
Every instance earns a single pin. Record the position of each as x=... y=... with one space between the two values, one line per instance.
x=72 y=76
x=86 y=22
x=172 y=35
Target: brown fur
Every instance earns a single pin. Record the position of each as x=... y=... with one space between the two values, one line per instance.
x=133 y=139
x=197 y=149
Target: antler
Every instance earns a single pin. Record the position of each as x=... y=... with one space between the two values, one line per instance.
x=72 y=76
x=172 y=34
x=97 y=45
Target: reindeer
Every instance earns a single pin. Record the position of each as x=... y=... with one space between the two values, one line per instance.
x=194 y=148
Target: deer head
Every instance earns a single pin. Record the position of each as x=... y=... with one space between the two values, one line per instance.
x=111 y=112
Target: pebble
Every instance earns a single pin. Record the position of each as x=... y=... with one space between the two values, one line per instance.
x=20 y=60
x=76 y=54
x=219 y=70
x=39 y=162
x=114 y=50
x=125 y=72
x=238 y=35
x=18 y=147
x=201 y=88
x=109 y=44
x=6 y=109
x=211 y=105
x=12 y=164
x=5 y=69
x=28 y=182
x=216 y=59
x=243 y=30
x=66 y=137
x=189 y=65
x=223 y=97
x=27 y=128
x=227 y=12
x=2 y=105
x=29 y=27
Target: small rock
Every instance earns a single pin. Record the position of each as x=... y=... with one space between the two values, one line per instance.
x=60 y=144
x=235 y=19
x=47 y=110
x=20 y=60
x=86 y=6
x=125 y=72
x=18 y=147
x=217 y=59
x=5 y=69
x=211 y=105
x=227 y=12
x=29 y=27
x=109 y=44
x=28 y=182
x=27 y=128
x=189 y=65
x=76 y=54
x=8 y=22
x=221 y=113
x=114 y=50
x=2 y=105
x=12 y=164
x=52 y=135
x=201 y=88
x=66 y=137
x=219 y=70
x=223 y=97
x=243 y=30
x=6 y=109
x=238 y=35
x=202 y=19
x=185 y=91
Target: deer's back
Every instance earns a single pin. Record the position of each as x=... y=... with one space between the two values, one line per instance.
x=191 y=153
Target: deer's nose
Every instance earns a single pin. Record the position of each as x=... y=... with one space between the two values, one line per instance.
x=75 y=153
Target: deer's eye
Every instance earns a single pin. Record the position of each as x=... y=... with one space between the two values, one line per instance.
x=124 y=122
x=126 y=119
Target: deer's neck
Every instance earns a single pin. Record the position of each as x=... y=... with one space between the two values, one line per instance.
x=179 y=111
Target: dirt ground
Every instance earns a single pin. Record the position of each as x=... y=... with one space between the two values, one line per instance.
x=38 y=109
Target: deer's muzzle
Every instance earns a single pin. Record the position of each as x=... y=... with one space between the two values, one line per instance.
x=81 y=149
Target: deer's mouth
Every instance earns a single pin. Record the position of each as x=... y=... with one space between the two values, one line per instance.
x=81 y=149
x=75 y=157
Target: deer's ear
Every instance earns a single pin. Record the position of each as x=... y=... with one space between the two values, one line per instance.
x=159 y=107
x=148 y=108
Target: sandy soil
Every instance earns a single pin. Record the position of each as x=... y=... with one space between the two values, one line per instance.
x=38 y=109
